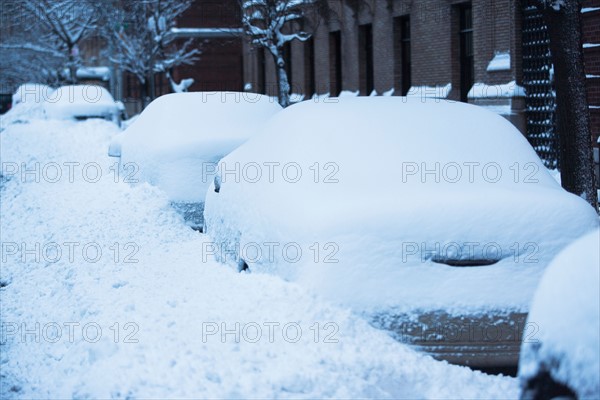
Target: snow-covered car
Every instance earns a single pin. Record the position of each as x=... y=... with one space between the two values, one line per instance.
x=178 y=139
x=81 y=102
x=26 y=104
x=562 y=357
x=433 y=219
x=34 y=93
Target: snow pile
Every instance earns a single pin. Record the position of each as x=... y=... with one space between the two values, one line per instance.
x=81 y=101
x=178 y=138
x=506 y=90
x=26 y=104
x=370 y=204
x=566 y=311
x=22 y=113
x=159 y=302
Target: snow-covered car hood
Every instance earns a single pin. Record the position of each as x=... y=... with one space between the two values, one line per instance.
x=177 y=140
x=345 y=174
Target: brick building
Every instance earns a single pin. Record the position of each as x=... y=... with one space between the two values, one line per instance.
x=215 y=25
x=431 y=48
x=471 y=51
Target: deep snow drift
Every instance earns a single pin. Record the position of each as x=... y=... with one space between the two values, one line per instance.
x=134 y=263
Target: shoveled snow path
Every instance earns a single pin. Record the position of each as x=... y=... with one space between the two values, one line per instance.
x=168 y=297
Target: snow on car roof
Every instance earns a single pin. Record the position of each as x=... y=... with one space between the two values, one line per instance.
x=80 y=101
x=31 y=92
x=179 y=120
x=407 y=136
x=178 y=137
x=91 y=94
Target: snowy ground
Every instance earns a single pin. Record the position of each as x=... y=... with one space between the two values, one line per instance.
x=145 y=317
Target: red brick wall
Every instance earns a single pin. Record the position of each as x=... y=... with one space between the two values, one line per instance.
x=220 y=66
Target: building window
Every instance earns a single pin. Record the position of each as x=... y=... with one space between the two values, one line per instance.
x=309 y=68
x=335 y=63
x=365 y=42
x=467 y=69
x=402 y=59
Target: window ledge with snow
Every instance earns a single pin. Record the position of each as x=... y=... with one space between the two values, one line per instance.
x=501 y=91
x=500 y=62
x=430 y=92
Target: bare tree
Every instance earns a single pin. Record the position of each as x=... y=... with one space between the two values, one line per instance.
x=20 y=64
x=273 y=23
x=142 y=43
x=50 y=29
x=563 y=18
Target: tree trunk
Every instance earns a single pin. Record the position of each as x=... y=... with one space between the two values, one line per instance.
x=72 y=65
x=144 y=93
x=283 y=82
x=573 y=118
x=152 y=93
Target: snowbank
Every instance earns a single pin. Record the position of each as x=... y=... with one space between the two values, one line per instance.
x=178 y=138
x=26 y=104
x=566 y=312
x=385 y=187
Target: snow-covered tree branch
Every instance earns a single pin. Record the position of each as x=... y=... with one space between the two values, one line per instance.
x=273 y=23
x=142 y=43
x=52 y=28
